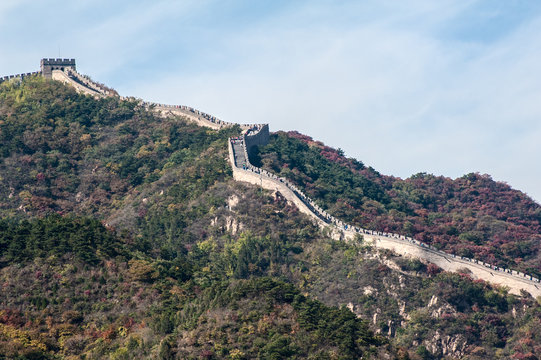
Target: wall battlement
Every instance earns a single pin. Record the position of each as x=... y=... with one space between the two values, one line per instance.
x=45 y=61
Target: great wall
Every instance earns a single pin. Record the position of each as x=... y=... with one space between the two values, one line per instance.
x=252 y=135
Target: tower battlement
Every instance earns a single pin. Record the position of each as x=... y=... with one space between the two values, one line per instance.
x=48 y=65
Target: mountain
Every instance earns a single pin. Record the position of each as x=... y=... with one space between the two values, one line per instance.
x=124 y=235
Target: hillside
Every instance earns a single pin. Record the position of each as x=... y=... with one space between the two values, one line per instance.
x=123 y=235
x=471 y=216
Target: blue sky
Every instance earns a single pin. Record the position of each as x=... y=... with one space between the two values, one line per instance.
x=444 y=87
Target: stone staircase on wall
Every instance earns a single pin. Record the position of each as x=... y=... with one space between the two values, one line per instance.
x=258 y=134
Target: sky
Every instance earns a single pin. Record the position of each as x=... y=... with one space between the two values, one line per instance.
x=445 y=87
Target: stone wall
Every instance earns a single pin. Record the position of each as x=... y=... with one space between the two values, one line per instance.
x=274 y=184
x=87 y=82
x=63 y=76
x=400 y=244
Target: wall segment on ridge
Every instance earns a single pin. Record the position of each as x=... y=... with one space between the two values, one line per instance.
x=244 y=171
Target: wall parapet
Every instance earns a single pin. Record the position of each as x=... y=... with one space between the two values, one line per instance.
x=19 y=76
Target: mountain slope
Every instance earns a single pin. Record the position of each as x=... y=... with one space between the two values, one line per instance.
x=138 y=244
x=130 y=288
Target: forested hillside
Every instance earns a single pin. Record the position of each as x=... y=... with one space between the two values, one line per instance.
x=123 y=236
x=471 y=216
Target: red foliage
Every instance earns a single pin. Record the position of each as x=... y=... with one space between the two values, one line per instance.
x=109 y=334
x=383 y=268
x=465 y=276
x=433 y=269
x=333 y=155
x=129 y=322
x=298 y=135
x=521 y=356
x=11 y=317
x=142 y=212
x=206 y=354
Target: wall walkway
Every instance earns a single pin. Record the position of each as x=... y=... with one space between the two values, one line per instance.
x=82 y=88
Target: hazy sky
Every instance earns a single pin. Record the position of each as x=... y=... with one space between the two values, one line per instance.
x=444 y=87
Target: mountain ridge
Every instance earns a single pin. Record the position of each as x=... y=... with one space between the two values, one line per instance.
x=186 y=232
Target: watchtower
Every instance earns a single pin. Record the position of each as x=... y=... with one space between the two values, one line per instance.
x=48 y=65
